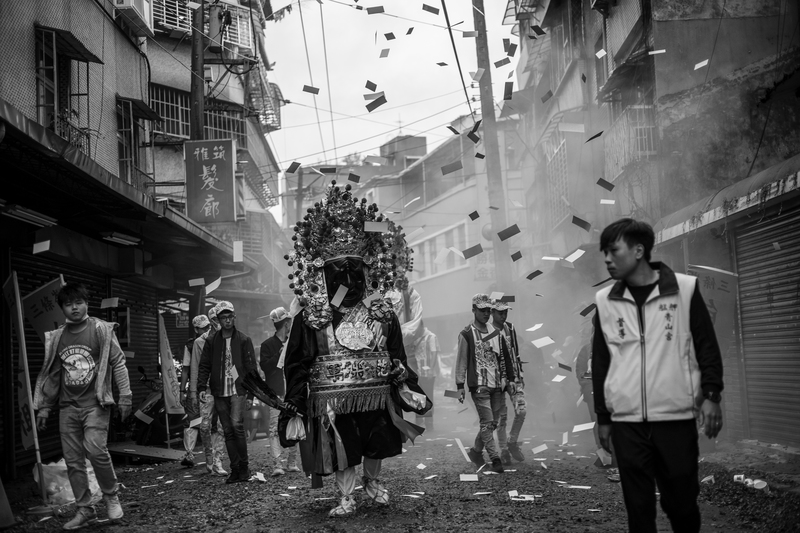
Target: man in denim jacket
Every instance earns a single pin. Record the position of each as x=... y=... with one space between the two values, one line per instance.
x=81 y=358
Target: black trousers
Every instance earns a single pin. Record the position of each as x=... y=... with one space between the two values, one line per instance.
x=665 y=453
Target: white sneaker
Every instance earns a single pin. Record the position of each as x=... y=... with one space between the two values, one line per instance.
x=218 y=470
x=84 y=517
x=113 y=506
x=375 y=491
x=347 y=506
x=278 y=471
x=292 y=467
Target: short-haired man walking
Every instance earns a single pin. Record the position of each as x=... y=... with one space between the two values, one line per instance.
x=81 y=358
x=515 y=390
x=271 y=350
x=227 y=357
x=201 y=324
x=656 y=367
x=484 y=365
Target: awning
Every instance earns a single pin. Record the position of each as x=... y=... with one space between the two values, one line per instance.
x=622 y=75
x=140 y=109
x=778 y=181
x=44 y=172
x=69 y=45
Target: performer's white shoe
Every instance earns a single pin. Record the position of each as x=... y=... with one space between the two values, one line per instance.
x=375 y=491
x=347 y=506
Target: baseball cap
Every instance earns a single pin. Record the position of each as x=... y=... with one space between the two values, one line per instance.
x=482 y=301
x=500 y=305
x=212 y=313
x=224 y=307
x=278 y=314
x=200 y=321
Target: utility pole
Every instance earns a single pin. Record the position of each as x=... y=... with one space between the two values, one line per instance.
x=497 y=195
x=197 y=303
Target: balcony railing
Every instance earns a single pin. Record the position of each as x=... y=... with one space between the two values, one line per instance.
x=136 y=177
x=76 y=136
x=631 y=138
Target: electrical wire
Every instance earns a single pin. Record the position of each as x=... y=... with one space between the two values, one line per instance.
x=328 y=79
x=311 y=79
x=399 y=17
x=458 y=61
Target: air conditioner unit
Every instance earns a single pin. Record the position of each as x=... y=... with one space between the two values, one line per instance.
x=138 y=14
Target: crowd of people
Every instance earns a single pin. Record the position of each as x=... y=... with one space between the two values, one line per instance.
x=352 y=355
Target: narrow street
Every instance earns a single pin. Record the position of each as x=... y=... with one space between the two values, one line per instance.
x=168 y=497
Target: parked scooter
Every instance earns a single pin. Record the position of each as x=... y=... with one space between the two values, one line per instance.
x=151 y=423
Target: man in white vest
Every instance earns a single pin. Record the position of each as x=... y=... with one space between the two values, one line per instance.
x=656 y=369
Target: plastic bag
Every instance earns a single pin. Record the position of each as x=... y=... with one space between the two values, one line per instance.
x=56 y=482
x=296 y=430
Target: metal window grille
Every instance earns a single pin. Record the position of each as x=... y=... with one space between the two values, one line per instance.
x=46 y=78
x=227 y=124
x=239 y=32
x=174 y=108
x=631 y=138
x=426 y=251
x=557 y=184
x=129 y=133
x=172 y=14
x=559 y=55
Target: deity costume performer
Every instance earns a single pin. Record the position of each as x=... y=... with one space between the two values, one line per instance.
x=345 y=366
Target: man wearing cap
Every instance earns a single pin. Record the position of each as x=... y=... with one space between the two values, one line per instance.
x=210 y=428
x=484 y=365
x=515 y=390
x=271 y=350
x=228 y=355
x=201 y=324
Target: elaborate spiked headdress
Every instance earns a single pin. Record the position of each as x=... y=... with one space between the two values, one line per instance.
x=334 y=227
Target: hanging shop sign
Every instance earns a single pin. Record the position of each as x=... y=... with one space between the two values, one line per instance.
x=210 y=183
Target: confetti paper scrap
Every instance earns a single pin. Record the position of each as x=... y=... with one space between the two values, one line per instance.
x=463 y=451
x=701 y=64
x=291 y=170
x=496 y=295
x=607 y=185
x=452 y=167
x=547 y=96
x=410 y=30
x=537 y=30
x=574 y=256
x=355 y=178
x=601 y=282
x=430 y=9
x=384 y=53
x=374 y=10
x=468 y=34
x=441 y=256
x=373 y=96
x=421 y=466
x=580 y=399
x=656 y=52
x=776 y=246
x=389 y=36
x=588 y=309
x=600 y=54
x=540 y=448
x=535 y=327
x=478 y=74
x=310 y=89
x=375 y=104
x=534 y=274
x=455 y=131
x=442 y=64
x=583 y=78
x=565 y=367
x=376 y=227
x=474 y=215
x=508 y=232
x=472 y=136
x=479 y=155
x=584 y=487
x=565 y=438
x=472 y=251
x=603 y=201
x=593 y=137
x=558 y=379
x=503 y=62
x=583 y=427
x=371 y=86
x=512 y=49
x=508 y=91
x=469 y=477
x=581 y=223
x=544 y=341
x=516 y=256
x=434 y=475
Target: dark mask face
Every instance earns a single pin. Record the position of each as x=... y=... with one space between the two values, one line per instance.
x=347 y=271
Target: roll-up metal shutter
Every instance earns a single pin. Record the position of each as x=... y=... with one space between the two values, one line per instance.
x=177 y=335
x=768 y=261
x=32 y=273
x=142 y=305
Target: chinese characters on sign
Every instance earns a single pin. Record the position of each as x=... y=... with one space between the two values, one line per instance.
x=719 y=289
x=210 y=185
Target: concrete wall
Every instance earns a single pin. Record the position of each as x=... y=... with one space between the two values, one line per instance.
x=124 y=71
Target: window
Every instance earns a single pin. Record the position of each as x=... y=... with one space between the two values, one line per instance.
x=426 y=252
x=129 y=135
x=222 y=121
x=555 y=149
x=62 y=85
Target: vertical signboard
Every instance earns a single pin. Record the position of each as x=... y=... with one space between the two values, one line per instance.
x=210 y=185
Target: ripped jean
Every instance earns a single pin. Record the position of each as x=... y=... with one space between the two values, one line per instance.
x=491 y=406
